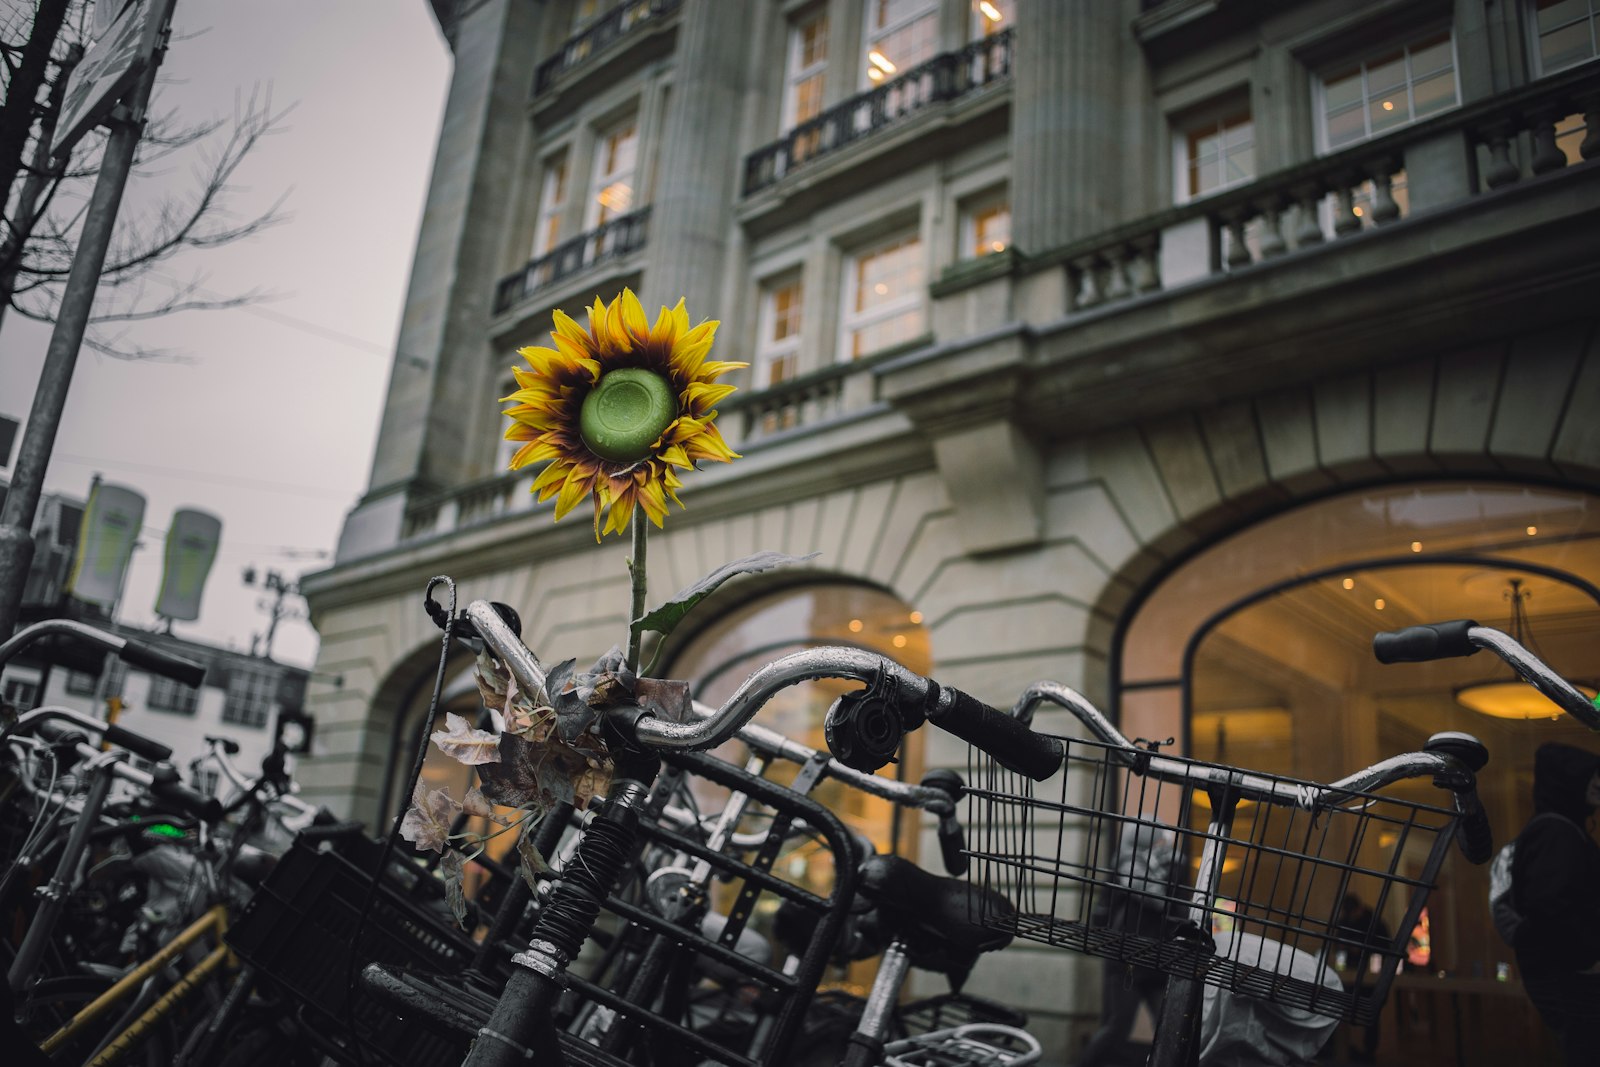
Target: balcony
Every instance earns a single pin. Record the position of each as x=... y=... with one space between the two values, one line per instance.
x=620 y=237
x=599 y=35
x=1435 y=165
x=946 y=77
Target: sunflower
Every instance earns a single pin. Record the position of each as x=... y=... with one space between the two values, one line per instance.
x=618 y=409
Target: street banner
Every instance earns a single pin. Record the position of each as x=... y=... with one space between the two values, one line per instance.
x=192 y=540
x=110 y=530
x=107 y=71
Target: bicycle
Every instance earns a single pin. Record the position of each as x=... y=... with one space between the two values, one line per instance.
x=864 y=730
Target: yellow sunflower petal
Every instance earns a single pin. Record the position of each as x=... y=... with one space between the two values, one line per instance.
x=702 y=396
x=653 y=499
x=711 y=369
x=665 y=331
x=633 y=319
x=551 y=479
x=533 y=452
x=573 y=490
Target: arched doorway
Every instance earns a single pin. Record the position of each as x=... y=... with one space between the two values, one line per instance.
x=1256 y=652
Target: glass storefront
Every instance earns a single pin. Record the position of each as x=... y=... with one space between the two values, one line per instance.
x=1256 y=652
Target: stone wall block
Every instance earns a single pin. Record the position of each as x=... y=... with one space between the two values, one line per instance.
x=1577 y=446
x=1402 y=412
x=1288 y=435
x=1344 y=427
x=1467 y=389
x=1539 y=379
x=1185 y=466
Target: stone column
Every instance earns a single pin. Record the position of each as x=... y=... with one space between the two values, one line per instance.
x=699 y=160
x=1067 y=115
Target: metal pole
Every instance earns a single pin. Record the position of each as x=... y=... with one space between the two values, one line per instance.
x=22 y=499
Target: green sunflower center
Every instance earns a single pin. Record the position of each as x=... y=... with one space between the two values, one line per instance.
x=626 y=413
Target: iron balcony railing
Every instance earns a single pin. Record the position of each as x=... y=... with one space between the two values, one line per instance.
x=945 y=77
x=612 y=26
x=620 y=237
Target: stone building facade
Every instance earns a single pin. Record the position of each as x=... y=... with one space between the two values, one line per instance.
x=1076 y=329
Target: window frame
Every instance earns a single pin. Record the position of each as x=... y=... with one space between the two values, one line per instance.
x=768 y=350
x=1319 y=96
x=1536 y=53
x=1211 y=117
x=600 y=181
x=968 y=209
x=171 y=696
x=257 y=691
x=869 y=38
x=796 y=73
x=850 y=322
x=553 y=202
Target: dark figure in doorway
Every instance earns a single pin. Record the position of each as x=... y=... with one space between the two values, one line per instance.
x=1555 y=886
x=1362 y=932
x=1142 y=905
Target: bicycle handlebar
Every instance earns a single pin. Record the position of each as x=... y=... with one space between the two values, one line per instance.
x=130 y=650
x=121 y=736
x=1463 y=637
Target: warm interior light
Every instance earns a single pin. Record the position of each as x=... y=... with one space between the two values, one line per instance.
x=990 y=12
x=916 y=616
x=855 y=626
x=1357 y=211
x=899 y=640
x=1378 y=603
x=1511 y=699
x=1388 y=105
x=1349 y=583
x=881 y=289
x=1416 y=546
x=997 y=246
x=1532 y=530
x=881 y=61
x=875 y=74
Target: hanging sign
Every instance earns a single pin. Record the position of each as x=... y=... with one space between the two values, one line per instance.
x=192 y=540
x=110 y=530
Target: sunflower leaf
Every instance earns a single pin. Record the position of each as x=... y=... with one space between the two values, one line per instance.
x=666 y=617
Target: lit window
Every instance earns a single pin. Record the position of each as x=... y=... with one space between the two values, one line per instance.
x=883 y=296
x=583 y=12
x=900 y=35
x=1214 y=154
x=985 y=225
x=778 y=346
x=20 y=694
x=616 y=156
x=1567 y=33
x=1387 y=90
x=991 y=16
x=808 y=64
x=552 y=204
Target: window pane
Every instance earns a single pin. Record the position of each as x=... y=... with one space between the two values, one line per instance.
x=1430 y=57
x=808 y=99
x=1386 y=73
x=992 y=16
x=1342 y=89
x=1239 y=165
x=888 y=12
x=888 y=274
x=1345 y=128
x=814 y=42
x=1565 y=46
x=885 y=333
x=1389 y=112
x=1435 y=93
x=901 y=49
x=1553 y=13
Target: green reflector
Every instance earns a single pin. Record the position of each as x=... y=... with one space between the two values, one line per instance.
x=164 y=829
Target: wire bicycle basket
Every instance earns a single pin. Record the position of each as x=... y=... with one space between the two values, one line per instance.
x=1235 y=878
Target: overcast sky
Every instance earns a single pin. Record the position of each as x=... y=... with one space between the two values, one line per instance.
x=272 y=425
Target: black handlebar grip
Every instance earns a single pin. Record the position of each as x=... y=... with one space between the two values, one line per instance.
x=1418 y=644
x=138 y=744
x=204 y=808
x=1000 y=735
x=1475 y=835
x=163 y=663
x=952 y=841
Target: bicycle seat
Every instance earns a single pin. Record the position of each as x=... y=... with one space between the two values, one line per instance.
x=936 y=917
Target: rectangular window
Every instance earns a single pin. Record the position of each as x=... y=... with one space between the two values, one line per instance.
x=989 y=17
x=168 y=695
x=900 y=35
x=883 y=296
x=778 y=346
x=985 y=225
x=250 y=697
x=1388 y=89
x=84 y=684
x=552 y=205
x=21 y=695
x=1567 y=32
x=616 y=157
x=808 y=65
x=1214 y=154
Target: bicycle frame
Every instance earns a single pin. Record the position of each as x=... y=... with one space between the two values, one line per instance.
x=215 y=921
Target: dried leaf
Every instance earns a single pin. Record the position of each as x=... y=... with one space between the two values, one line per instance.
x=454 y=869
x=466 y=745
x=533 y=864
x=476 y=803
x=427 y=822
x=666 y=617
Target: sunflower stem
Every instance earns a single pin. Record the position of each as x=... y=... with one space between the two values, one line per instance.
x=636 y=564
